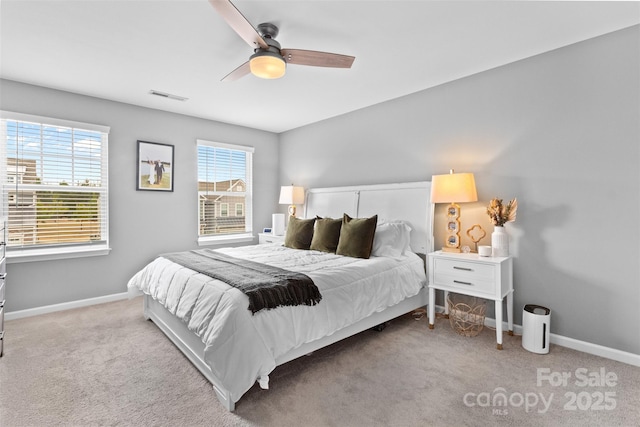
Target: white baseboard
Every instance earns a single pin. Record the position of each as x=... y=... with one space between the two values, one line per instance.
x=583 y=346
x=64 y=306
x=597 y=350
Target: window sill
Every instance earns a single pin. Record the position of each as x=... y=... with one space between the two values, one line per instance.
x=224 y=240
x=17 y=256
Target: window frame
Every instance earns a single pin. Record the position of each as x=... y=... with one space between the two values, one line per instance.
x=247 y=235
x=58 y=250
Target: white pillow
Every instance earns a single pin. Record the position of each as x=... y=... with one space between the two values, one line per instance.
x=391 y=239
x=405 y=229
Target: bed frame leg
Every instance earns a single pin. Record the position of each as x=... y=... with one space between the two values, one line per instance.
x=380 y=327
x=145 y=308
x=224 y=398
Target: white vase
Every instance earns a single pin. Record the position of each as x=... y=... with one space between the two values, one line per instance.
x=499 y=242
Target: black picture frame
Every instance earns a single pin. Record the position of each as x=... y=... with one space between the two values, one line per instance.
x=155 y=160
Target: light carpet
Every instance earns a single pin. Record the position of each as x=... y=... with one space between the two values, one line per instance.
x=106 y=365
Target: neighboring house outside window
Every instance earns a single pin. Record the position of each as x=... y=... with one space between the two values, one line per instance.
x=54 y=187
x=224 y=180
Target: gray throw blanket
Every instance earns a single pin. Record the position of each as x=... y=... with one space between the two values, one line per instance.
x=265 y=285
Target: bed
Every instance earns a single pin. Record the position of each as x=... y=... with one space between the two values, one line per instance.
x=233 y=348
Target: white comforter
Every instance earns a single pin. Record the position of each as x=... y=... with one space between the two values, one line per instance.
x=240 y=347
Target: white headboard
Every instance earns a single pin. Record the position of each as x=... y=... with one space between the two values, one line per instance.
x=409 y=202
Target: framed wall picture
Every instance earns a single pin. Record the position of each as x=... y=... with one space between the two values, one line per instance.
x=155 y=166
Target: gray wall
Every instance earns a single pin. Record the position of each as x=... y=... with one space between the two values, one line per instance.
x=559 y=131
x=142 y=223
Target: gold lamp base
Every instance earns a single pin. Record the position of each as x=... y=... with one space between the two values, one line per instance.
x=452 y=240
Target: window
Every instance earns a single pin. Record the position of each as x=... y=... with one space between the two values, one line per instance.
x=224 y=179
x=54 y=187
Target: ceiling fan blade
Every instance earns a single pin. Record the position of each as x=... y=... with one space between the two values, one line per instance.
x=239 y=72
x=239 y=23
x=317 y=59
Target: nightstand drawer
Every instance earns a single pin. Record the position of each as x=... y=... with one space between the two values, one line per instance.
x=465 y=284
x=270 y=238
x=465 y=269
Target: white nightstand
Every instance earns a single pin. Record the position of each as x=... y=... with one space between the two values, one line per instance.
x=473 y=275
x=269 y=238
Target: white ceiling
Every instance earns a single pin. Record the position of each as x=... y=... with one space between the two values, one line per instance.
x=120 y=50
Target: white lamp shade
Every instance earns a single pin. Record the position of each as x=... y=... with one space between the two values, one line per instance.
x=291 y=195
x=453 y=188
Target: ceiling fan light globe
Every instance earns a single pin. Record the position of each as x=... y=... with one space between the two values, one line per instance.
x=267 y=65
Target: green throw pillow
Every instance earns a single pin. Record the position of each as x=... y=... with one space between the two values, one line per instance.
x=299 y=233
x=356 y=236
x=326 y=234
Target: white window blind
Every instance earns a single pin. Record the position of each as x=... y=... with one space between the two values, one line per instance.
x=224 y=179
x=54 y=186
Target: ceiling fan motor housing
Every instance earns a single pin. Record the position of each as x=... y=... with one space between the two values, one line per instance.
x=274 y=47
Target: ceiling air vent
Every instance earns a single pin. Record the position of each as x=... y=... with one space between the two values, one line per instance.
x=167 y=95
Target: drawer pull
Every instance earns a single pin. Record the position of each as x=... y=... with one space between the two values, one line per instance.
x=463 y=283
x=455 y=267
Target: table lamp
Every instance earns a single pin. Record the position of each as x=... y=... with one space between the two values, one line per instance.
x=453 y=188
x=292 y=196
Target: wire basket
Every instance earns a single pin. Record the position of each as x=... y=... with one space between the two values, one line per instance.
x=466 y=314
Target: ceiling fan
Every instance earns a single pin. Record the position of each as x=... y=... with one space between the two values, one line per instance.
x=269 y=59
